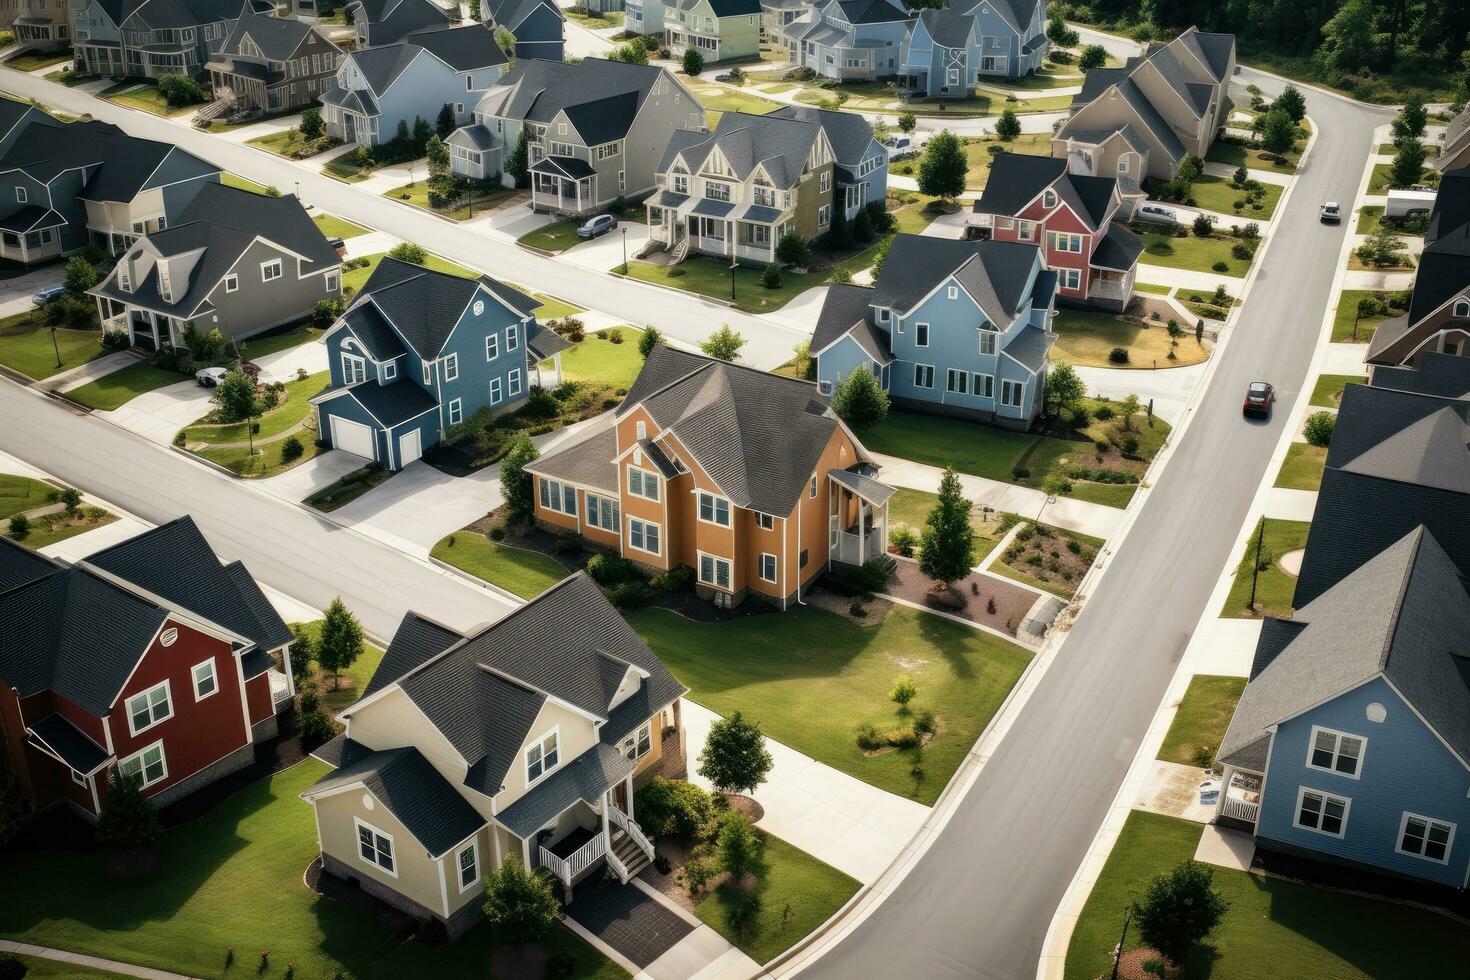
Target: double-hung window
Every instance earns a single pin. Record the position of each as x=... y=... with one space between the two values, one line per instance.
x=148 y=708
x=921 y=335
x=1336 y=752
x=1071 y=278
x=764 y=521
x=714 y=510
x=270 y=271
x=643 y=536
x=957 y=382
x=451 y=367
x=768 y=567
x=492 y=347
x=987 y=342
x=205 y=680
x=714 y=570
x=354 y=369
x=330 y=282
x=826 y=181
x=513 y=382
x=456 y=411
x=495 y=394
x=1426 y=838
x=375 y=847
x=642 y=483
x=558 y=497
x=147 y=766
x=984 y=385
x=602 y=512
x=468 y=863
x=544 y=756
x=923 y=376
x=512 y=337
x=1322 y=812
x=639 y=742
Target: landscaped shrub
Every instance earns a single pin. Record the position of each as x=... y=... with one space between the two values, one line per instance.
x=905 y=689
x=20 y=525
x=613 y=336
x=409 y=252
x=1103 y=412
x=1220 y=266
x=675 y=807
x=179 y=90
x=115 y=340
x=541 y=405
x=771 y=277
x=924 y=723
x=903 y=540
x=867 y=737
x=1319 y=428
x=291 y=449
x=610 y=570
x=1118 y=355
x=567 y=544
x=629 y=595
x=674 y=580
x=519 y=903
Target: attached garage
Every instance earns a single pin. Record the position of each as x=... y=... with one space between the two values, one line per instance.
x=392 y=424
x=410 y=447
x=353 y=437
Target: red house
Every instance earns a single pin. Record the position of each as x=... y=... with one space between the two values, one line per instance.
x=1034 y=199
x=151 y=656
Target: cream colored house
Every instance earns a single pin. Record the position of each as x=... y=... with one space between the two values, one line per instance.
x=522 y=742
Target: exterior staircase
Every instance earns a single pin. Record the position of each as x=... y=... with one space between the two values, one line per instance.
x=629 y=854
x=680 y=251
x=219 y=107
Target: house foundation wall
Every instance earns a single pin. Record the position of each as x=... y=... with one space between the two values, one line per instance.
x=459 y=922
x=960 y=412
x=235 y=761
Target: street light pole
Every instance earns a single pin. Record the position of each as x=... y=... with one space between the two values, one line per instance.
x=733 y=266
x=625 y=249
x=55 y=345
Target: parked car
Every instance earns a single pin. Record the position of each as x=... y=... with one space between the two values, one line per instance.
x=337 y=244
x=725 y=76
x=1259 y=396
x=1331 y=212
x=210 y=377
x=901 y=146
x=600 y=225
x=46 y=294
x=1158 y=213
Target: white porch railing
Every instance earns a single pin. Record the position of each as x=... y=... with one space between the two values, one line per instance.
x=630 y=826
x=1108 y=288
x=581 y=859
x=852 y=552
x=1238 y=809
x=760 y=253
x=715 y=246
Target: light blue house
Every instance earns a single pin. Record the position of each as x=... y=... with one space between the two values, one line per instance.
x=851 y=40
x=860 y=163
x=951 y=327
x=539 y=26
x=420 y=351
x=1351 y=742
x=952 y=50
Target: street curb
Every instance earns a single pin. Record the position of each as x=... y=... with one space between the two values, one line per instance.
x=476 y=580
x=698 y=297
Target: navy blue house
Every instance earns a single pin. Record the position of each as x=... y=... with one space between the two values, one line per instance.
x=420 y=351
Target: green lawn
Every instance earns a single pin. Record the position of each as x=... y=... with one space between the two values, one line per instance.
x=1148 y=287
x=231 y=878
x=273 y=423
x=288 y=142
x=352 y=681
x=555 y=238
x=335 y=227
x=51 y=528
x=711 y=277
x=36 y=60
x=596 y=21
x=112 y=391
x=1274 y=928
x=975 y=449
x=38 y=967
x=1215 y=194
x=526 y=573
x=1086 y=337
x=979 y=157
x=350 y=173
x=417 y=194
x=552 y=308
x=1382 y=178
x=355 y=279
x=810 y=677
x=229 y=444
x=1252 y=158
x=1327 y=392
x=1274 y=587
x=340 y=493
x=1370 y=219
x=1302 y=468
x=1108 y=494
x=788 y=879
x=147 y=98
x=597 y=360
x=1201 y=719
x=280 y=340
x=719 y=98
x=243 y=183
x=1192 y=252
x=911 y=508
x=1347 y=313
x=18 y=493
x=26 y=346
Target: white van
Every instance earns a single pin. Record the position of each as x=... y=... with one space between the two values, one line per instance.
x=1149 y=211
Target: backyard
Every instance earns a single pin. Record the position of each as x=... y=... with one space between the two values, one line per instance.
x=230 y=444
x=978 y=154
x=26 y=346
x=1201 y=719
x=1087 y=337
x=1190 y=251
x=525 y=573
x=1273 y=928
x=231 y=880
x=1302 y=468
x=810 y=677
x=113 y=391
x=1275 y=585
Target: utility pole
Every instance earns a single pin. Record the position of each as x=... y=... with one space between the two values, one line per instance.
x=1256 y=565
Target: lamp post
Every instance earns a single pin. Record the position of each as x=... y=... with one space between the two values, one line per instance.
x=55 y=346
x=733 y=266
x=625 y=249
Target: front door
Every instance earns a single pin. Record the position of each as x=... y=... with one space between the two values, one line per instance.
x=620 y=796
x=410 y=447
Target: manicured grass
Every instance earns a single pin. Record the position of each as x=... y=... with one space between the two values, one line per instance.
x=1347 y=313
x=273 y=343
x=51 y=528
x=910 y=508
x=267 y=460
x=711 y=277
x=1148 y=287
x=1327 y=392
x=1201 y=719
x=810 y=677
x=555 y=238
x=553 y=308
x=1274 y=587
x=1050 y=76
x=979 y=157
x=36 y=60
x=335 y=227
x=244 y=184
x=148 y=98
x=229 y=444
x=417 y=194
x=232 y=878
x=26 y=346
x=18 y=493
x=599 y=361
x=113 y=391
x=1254 y=159
x=346 y=172
x=720 y=98
x=289 y=142
x=355 y=279
x=526 y=573
x=1431 y=150
x=1274 y=928
x=1118 y=495
x=788 y=879
x=1370 y=219
x=975 y=449
x=1086 y=337
x=919 y=213
x=1382 y=178
x=596 y=22
x=1192 y=252
x=38 y=967
x=1215 y=194
x=1302 y=468
x=351 y=682
x=340 y=493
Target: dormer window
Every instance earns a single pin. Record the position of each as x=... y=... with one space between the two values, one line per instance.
x=20 y=195
x=1049 y=199
x=544 y=756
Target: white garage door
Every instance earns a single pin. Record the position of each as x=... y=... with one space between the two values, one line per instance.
x=354 y=437
x=410 y=447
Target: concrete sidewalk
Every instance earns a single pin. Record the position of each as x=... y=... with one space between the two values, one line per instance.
x=96 y=368
x=1168 y=388
x=1162 y=275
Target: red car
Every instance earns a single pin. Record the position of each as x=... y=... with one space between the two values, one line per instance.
x=1259 y=397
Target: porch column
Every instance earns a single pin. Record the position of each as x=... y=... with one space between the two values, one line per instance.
x=101 y=313
x=884 y=532
x=1226 y=775
x=862 y=538
x=526 y=853
x=607 y=801
x=557 y=361
x=831 y=488
x=629 y=793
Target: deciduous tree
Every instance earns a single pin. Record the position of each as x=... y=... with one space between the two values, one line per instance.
x=1180 y=908
x=859 y=400
x=723 y=344
x=942 y=170
x=515 y=483
x=734 y=758
x=519 y=904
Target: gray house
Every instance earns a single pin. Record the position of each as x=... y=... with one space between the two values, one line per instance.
x=951 y=50
x=538 y=26
x=237 y=262
x=273 y=64
x=851 y=40
x=379 y=87
x=594 y=130
x=386 y=21
x=148 y=38
x=860 y=163
x=15 y=116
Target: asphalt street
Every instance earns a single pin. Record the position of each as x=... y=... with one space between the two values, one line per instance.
x=978 y=903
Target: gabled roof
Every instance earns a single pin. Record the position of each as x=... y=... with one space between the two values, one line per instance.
x=1403 y=615
x=1455 y=136
x=1016 y=13
x=1433 y=373
x=1017 y=179
x=1450 y=214
x=157 y=14
x=538 y=90
x=276 y=37
x=389 y=20
x=843 y=309
x=1119 y=249
x=424 y=305
x=510 y=13
x=780 y=145
x=416 y=640
x=467 y=47
x=947 y=27
x=587 y=462
x=994 y=273
x=873 y=11
x=585 y=778
x=119 y=165
x=1215 y=50
x=281 y=219
x=849 y=133
x=20 y=565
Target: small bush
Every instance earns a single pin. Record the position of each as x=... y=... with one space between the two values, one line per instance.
x=20 y=525
x=1221 y=266
x=905 y=689
x=1204 y=225
x=857 y=610
x=904 y=540
x=1020 y=473
x=771 y=277
x=629 y=595
x=610 y=570
x=924 y=724
x=1118 y=355
x=291 y=449
x=867 y=737
x=567 y=544
x=674 y=580
x=673 y=807
x=1319 y=428
x=614 y=336
x=497 y=533
x=1103 y=413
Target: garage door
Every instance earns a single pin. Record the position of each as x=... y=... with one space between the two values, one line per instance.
x=354 y=437
x=410 y=447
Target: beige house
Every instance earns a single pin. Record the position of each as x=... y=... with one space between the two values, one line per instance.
x=1143 y=119
x=524 y=741
x=1456 y=154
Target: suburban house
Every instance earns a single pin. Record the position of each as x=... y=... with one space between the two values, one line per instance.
x=644 y=17
x=524 y=741
x=776 y=17
x=746 y=477
x=15 y=116
x=66 y=186
x=851 y=40
x=595 y=131
x=380 y=87
x=735 y=192
x=1351 y=741
x=1071 y=217
x=420 y=351
x=149 y=38
x=860 y=162
x=1143 y=119
x=151 y=657
x=538 y=26
x=1456 y=151
x=950 y=327
x=272 y=64
x=42 y=25
x=721 y=30
x=237 y=262
x=1438 y=318
x=953 y=49
x=380 y=22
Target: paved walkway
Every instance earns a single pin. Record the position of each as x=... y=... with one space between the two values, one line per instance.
x=1162 y=275
x=1359 y=279
x=89 y=962
x=1064 y=512
x=1345 y=358
x=1169 y=388
x=84 y=374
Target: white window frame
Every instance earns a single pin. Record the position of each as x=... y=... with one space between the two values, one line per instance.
x=714 y=508
x=921 y=335
x=354 y=369
x=213 y=679
x=539 y=746
x=1071 y=278
x=765 y=557
x=826 y=181
x=492 y=346
x=953 y=292
x=988 y=340
x=1461 y=309
x=513 y=383
x=389 y=370
x=456 y=411
x=1007 y=385
x=928 y=371
x=142 y=773
x=644 y=476
x=459 y=868
x=563 y=502
x=495 y=395
x=1429 y=822
x=989 y=380
x=811 y=488
x=232 y=283
x=358 y=826
x=603 y=513
x=956 y=382
x=638 y=743
x=512 y=337
x=640 y=430
x=269 y=266
x=428 y=372
x=715 y=562
x=1337 y=753
x=645 y=525
x=764 y=521
x=20 y=195
x=147 y=695
x=1296 y=815
x=329 y=281
x=451 y=367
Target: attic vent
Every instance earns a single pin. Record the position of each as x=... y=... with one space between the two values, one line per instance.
x=479 y=307
x=169 y=637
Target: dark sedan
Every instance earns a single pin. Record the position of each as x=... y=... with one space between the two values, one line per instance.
x=1259 y=398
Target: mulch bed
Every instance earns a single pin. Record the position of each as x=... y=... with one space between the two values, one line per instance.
x=741 y=803
x=330 y=886
x=1012 y=601
x=875 y=610
x=1057 y=561
x=1130 y=965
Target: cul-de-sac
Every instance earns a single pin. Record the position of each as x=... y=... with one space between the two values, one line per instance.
x=734 y=489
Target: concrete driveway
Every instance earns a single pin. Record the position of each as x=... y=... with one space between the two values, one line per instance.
x=606 y=251
x=157 y=415
x=15 y=294
x=283 y=365
x=300 y=482
x=420 y=505
x=1170 y=388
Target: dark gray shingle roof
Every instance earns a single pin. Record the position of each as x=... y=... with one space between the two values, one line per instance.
x=75 y=747
x=994 y=273
x=588 y=463
x=415 y=641
x=585 y=778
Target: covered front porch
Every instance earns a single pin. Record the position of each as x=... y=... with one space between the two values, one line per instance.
x=1239 y=804
x=857 y=517
x=742 y=232
x=563 y=185
x=31 y=235
x=147 y=329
